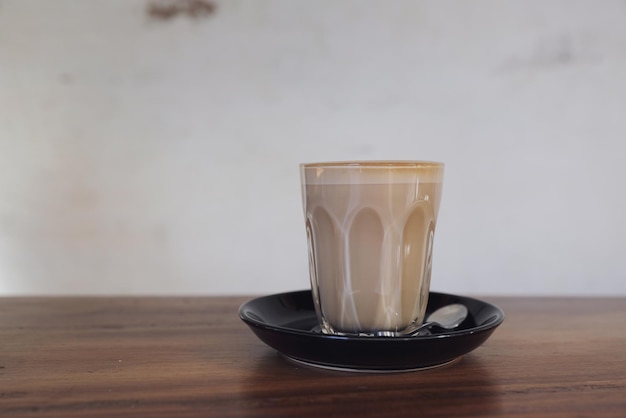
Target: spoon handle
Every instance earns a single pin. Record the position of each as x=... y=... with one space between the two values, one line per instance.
x=423 y=329
x=410 y=331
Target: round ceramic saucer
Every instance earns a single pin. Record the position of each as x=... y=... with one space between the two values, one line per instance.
x=286 y=321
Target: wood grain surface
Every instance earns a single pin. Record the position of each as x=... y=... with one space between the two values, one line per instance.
x=193 y=357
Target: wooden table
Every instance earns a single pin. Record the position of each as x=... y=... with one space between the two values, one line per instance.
x=193 y=357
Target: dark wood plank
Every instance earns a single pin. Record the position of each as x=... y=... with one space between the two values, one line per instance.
x=188 y=357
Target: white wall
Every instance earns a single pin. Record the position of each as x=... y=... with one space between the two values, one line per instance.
x=147 y=155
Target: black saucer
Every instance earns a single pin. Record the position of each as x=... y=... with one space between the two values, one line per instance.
x=285 y=322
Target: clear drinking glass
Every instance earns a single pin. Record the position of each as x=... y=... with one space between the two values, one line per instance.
x=370 y=229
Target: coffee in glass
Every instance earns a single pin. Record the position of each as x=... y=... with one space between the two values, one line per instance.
x=370 y=229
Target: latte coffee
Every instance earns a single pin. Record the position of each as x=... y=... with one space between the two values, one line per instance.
x=370 y=229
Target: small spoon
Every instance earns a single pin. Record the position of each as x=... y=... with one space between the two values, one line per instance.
x=446 y=317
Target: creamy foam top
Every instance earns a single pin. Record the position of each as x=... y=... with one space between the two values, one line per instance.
x=372 y=172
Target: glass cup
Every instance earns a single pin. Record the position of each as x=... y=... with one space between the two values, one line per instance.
x=370 y=229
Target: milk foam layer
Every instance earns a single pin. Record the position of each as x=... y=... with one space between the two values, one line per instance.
x=375 y=172
x=370 y=244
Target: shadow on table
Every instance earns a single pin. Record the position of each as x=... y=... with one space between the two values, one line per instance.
x=277 y=387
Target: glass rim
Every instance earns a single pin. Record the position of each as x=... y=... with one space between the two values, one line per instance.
x=375 y=164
